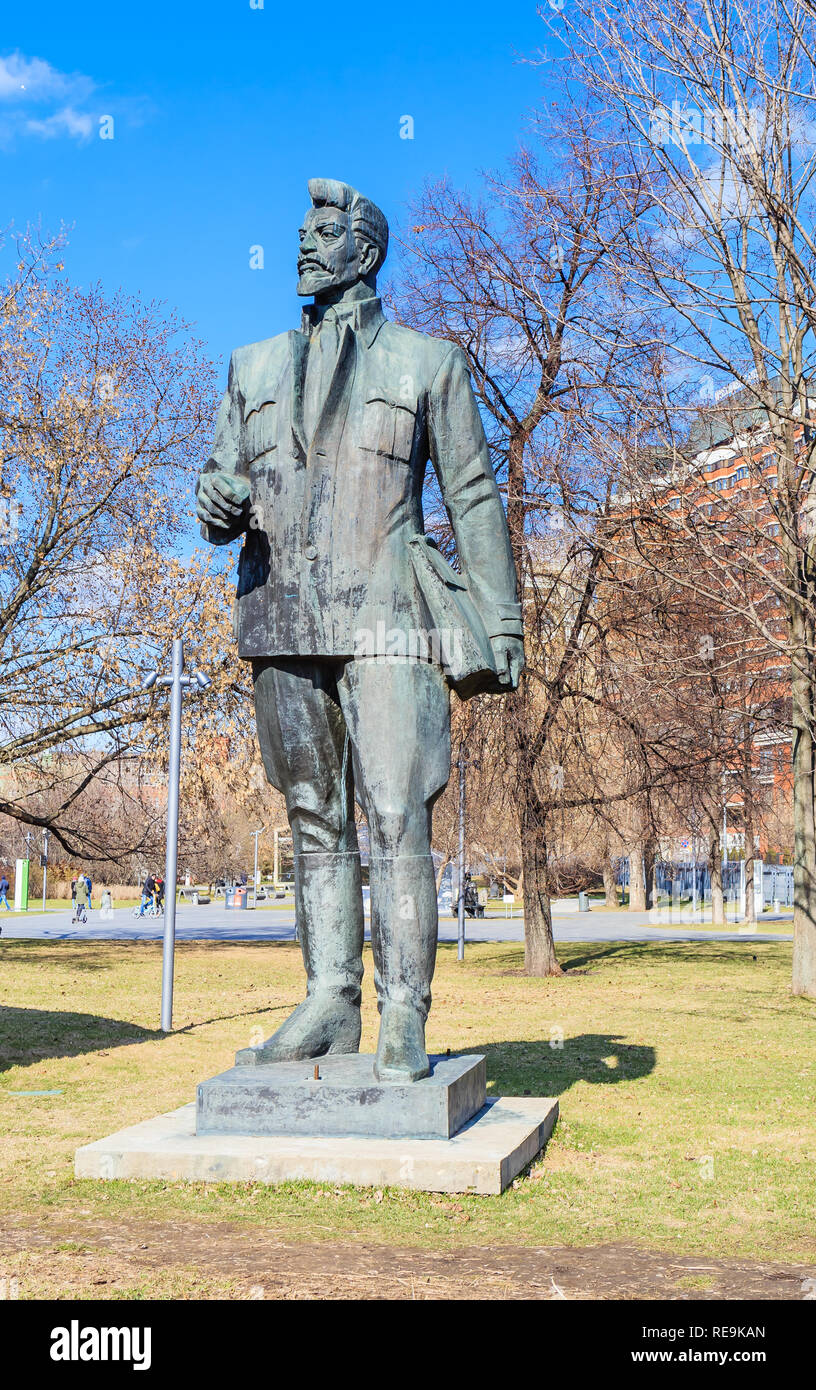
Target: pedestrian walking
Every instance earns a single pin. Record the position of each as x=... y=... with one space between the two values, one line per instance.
x=148 y=894
x=81 y=902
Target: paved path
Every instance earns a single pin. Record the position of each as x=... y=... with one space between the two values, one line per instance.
x=215 y=923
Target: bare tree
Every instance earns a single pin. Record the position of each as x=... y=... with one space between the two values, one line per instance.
x=522 y=280
x=105 y=406
x=716 y=103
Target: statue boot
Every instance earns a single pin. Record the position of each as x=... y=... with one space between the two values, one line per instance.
x=329 y=908
x=404 y=925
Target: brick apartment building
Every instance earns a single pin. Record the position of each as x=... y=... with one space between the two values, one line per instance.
x=729 y=456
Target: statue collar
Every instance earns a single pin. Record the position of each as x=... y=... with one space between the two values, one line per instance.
x=365 y=316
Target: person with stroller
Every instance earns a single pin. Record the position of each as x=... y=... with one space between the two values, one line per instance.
x=80 y=901
x=148 y=894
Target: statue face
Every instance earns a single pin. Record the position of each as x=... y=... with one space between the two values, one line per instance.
x=329 y=258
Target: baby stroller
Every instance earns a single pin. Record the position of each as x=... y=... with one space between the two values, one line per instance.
x=80 y=913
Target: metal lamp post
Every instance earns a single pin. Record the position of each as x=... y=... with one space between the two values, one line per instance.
x=44 y=861
x=176 y=682
x=256 y=834
x=724 y=853
x=725 y=860
x=462 y=764
x=460 y=906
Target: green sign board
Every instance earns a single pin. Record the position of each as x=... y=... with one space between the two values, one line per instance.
x=21 y=885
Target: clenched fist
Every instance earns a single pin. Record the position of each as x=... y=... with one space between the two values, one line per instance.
x=509 y=654
x=222 y=499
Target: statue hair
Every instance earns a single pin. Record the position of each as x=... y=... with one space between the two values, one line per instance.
x=367 y=220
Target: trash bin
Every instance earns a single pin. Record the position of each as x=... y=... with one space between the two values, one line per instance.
x=240 y=897
x=229 y=897
x=583 y=902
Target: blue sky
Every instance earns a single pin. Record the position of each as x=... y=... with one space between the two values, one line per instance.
x=221 y=112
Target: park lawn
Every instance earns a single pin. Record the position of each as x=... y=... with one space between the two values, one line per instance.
x=686 y=1079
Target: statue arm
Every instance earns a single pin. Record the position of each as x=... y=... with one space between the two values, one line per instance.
x=461 y=458
x=222 y=490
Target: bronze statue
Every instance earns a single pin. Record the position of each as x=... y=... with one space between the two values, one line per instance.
x=355 y=624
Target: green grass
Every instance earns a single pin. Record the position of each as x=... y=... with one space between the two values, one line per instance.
x=687 y=1083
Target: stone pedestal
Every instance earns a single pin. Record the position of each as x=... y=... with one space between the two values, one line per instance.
x=280 y=1123
x=345 y=1099
x=484 y=1157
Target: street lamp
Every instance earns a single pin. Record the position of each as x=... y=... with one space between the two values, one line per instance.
x=256 y=834
x=462 y=764
x=44 y=862
x=177 y=683
x=694 y=819
x=724 y=852
x=727 y=772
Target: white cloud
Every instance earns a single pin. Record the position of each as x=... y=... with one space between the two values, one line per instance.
x=32 y=79
x=67 y=121
x=25 y=82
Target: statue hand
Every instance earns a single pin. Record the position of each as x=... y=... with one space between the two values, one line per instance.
x=509 y=654
x=221 y=499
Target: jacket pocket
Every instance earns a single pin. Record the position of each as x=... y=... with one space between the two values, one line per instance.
x=388 y=427
x=260 y=426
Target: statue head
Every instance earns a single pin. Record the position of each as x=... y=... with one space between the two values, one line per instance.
x=343 y=241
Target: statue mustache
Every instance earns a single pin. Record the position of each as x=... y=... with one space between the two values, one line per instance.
x=313 y=263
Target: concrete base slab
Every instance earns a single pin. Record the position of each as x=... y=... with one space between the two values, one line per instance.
x=343 y=1099
x=484 y=1157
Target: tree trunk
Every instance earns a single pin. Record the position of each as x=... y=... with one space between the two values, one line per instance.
x=804 y=831
x=750 y=903
x=715 y=869
x=610 y=886
x=649 y=874
x=539 y=947
x=637 y=879
x=516 y=509
x=440 y=873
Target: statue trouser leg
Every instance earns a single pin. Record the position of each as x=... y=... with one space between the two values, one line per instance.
x=404 y=930
x=306 y=754
x=398 y=716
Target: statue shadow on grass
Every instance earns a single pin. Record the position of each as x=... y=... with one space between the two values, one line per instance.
x=545 y=1068
x=28 y=1036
